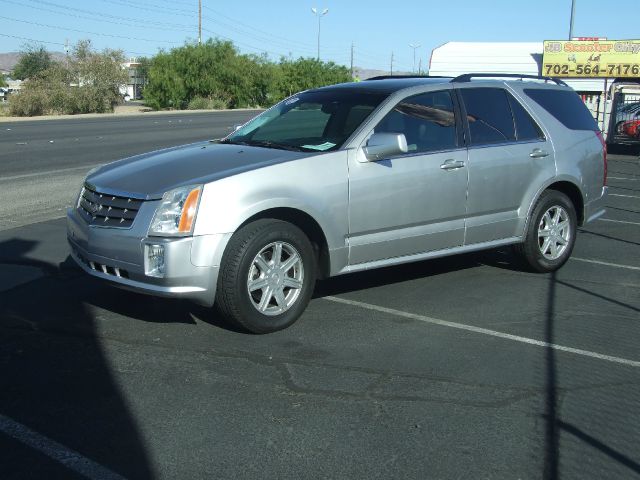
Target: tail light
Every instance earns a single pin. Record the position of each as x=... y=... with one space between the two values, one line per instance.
x=604 y=156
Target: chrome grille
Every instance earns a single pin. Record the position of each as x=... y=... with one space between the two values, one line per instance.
x=108 y=210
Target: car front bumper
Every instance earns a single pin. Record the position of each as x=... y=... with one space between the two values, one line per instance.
x=191 y=264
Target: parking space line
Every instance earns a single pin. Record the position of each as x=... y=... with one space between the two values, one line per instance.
x=622 y=178
x=598 y=262
x=485 y=331
x=625 y=196
x=56 y=451
x=618 y=221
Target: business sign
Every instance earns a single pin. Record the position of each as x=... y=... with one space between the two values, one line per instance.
x=591 y=58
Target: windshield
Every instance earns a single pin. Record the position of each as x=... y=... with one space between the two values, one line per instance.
x=310 y=121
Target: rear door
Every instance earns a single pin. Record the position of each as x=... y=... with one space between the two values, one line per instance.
x=509 y=158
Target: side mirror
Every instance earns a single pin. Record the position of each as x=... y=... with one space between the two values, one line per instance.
x=382 y=145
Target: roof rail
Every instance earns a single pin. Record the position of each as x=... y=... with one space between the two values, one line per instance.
x=387 y=77
x=468 y=76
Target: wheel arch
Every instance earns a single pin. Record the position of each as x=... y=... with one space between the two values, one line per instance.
x=572 y=191
x=310 y=227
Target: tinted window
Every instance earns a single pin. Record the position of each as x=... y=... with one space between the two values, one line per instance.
x=526 y=127
x=489 y=115
x=427 y=121
x=307 y=121
x=566 y=106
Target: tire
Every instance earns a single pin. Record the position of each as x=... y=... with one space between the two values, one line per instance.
x=259 y=291
x=551 y=233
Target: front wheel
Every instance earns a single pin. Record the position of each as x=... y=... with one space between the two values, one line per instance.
x=551 y=233
x=267 y=276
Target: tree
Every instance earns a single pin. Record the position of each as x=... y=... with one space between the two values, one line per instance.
x=33 y=61
x=99 y=76
x=306 y=73
x=3 y=80
x=90 y=82
x=216 y=73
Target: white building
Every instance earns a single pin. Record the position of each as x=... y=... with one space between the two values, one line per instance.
x=133 y=89
x=457 y=58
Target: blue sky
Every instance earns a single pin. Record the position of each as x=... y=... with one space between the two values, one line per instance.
x=289 y=28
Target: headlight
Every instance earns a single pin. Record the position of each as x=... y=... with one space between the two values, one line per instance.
x=80 y=195
x=176 y=214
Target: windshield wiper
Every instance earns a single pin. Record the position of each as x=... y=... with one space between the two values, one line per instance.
x=269 y=144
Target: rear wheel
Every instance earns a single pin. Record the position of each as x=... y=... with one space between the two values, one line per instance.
x=551 y=233
x=267 y=276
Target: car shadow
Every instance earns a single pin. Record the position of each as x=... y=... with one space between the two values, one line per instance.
x=396 y=274
x=61 y=409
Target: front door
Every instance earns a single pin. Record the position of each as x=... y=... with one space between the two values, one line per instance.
x=414 y=202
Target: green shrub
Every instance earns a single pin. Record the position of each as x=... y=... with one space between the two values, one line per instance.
x=215 y=102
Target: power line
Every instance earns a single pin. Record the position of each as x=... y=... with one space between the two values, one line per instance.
x=100 y=14
x=30 y=39
x=84 y=31
x=182 y=13
x=162 y=26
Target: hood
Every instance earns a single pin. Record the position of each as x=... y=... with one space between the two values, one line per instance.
x=149 y=175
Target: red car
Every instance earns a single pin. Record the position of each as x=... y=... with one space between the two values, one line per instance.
x=631 y=128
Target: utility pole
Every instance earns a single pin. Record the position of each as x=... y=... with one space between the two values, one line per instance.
x=573 y=13
x=416 y=46
x=391 y=72
x=420 y=66
x=199 y=22
x=352 y=60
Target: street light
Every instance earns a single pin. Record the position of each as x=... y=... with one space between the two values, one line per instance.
x=416 y=46
x=573 y=14
x=319 y=14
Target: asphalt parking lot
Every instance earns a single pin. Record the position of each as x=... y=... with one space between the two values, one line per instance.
x=463 y=367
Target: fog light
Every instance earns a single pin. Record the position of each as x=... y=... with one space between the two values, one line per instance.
x=154 y=261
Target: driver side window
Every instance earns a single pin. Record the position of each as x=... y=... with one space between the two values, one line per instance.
x=427 y=121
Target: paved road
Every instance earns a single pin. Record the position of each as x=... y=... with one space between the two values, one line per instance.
x=43 y=162
x=453 y=368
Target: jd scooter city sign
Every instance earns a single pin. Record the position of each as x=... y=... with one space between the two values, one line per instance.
x=591 y=58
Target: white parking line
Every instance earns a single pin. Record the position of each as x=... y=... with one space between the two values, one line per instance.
x=52 y=449
x=625 y=196
x=485 y=331
x=618 y=221
x=598 y=262
x=622 y=178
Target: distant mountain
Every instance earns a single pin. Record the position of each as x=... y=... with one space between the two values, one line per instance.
x=365 y=73
x=9 y=60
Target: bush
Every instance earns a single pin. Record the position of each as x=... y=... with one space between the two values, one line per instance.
x=213 y=73
x=88 y=83
x=28 y=103
x=213 y=103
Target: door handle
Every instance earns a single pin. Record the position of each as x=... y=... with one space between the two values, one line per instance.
x=452 y=165
x=537 y=153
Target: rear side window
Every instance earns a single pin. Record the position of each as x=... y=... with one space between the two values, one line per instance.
x=565 y=106
x=526 y=127
x=489 y=115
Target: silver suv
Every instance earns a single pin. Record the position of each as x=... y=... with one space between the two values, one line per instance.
x=342 y=179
